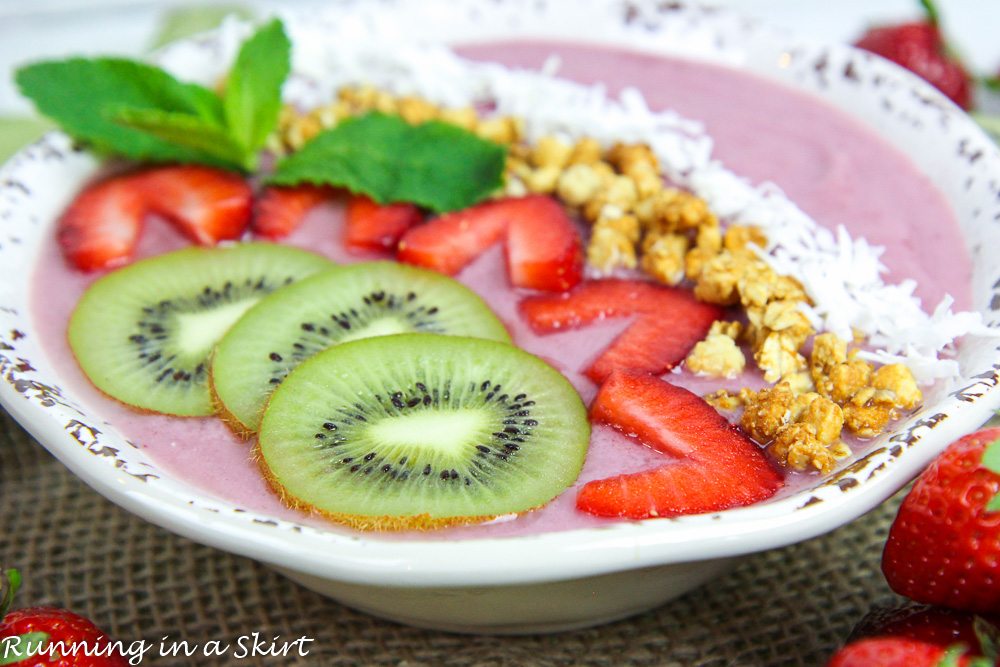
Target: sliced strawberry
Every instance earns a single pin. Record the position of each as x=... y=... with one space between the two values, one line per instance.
x=208 y=205
x=928 y=624
x=372 y=226
x=719 y=467
x=279 y=211
x=669 y=322
x=449 y=242
x=543 y=246
x=100 y=228
x=635 y=404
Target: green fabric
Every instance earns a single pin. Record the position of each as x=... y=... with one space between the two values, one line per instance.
x=16 y=132
x=187 y=21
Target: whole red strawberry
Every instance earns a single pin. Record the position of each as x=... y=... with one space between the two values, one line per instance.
x=913 y=635
x=944 y=545
x=899 y=652
x=927 y=623
x=920 y=48
x=46 y=637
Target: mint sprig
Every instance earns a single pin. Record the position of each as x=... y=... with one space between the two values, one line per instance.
x=83 y=96
x=139 y=111
x=253 y=92
x=435 y=165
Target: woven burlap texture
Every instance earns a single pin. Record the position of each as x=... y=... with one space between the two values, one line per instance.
x=791 y=606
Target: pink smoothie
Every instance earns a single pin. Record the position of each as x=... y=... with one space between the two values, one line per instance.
x=836 y=170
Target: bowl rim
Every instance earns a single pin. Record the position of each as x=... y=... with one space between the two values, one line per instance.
x=363 y=559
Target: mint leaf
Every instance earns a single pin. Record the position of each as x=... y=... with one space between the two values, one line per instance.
x=435 y=165
x=20 y=647
x=84 y=95
x=208 y=139
x=253 y=91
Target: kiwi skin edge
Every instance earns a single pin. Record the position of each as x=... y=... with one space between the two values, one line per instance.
x=235 y=426
x=384 y=523
x=364 y=522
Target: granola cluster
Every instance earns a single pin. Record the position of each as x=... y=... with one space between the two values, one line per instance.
x=296 y=128
x=638 y=222
x=803 y=424
x=718 y=355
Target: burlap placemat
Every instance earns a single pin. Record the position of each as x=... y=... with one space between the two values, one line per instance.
x=787 y=607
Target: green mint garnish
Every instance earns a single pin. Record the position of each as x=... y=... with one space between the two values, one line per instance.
x=253 y=92
x=435 y=165
x=211 y=141
x=135 y=110
x=84 y=96
x=21 y=647
x=127 y=108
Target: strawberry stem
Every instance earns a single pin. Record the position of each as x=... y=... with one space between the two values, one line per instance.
x=989 y=639
x=10 y=582
x=930 y=11
x=18 y=648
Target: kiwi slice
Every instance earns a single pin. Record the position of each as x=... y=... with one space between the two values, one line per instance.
x=143 y=334
x=422 y=431
x=336 y=306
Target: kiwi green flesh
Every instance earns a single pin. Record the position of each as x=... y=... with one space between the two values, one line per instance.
x=342 y=304
x=143 y=334
x=413 y=430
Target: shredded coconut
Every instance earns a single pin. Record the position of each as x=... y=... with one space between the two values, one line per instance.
x=364 y=45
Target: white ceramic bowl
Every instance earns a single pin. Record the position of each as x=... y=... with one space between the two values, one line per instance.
x=559 y=580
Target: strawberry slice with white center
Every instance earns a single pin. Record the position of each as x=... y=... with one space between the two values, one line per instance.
x=377 y=227
x=668 y=322
x=279 y=211
x=100 y=228
x=716 y=466
x=543 y=245
x=208 y=205
x=449 y=242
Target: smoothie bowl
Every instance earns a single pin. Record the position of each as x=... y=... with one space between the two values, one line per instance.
x=837 y=138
